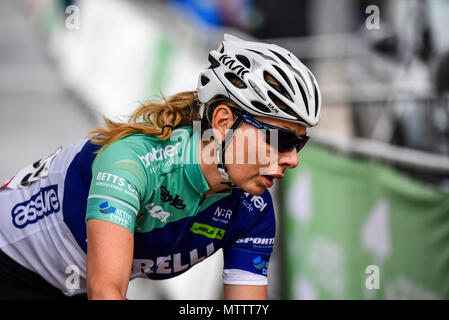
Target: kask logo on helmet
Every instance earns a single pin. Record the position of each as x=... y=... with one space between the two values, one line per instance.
x=40 y=205
x=232 y=64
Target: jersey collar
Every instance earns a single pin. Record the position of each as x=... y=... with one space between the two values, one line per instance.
x=193 y=170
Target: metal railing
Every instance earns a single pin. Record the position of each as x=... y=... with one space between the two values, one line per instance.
x=406 y=157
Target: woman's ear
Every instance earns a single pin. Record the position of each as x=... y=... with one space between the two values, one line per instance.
x=222 y=119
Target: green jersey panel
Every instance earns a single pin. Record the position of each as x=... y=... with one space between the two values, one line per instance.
x=150 y=182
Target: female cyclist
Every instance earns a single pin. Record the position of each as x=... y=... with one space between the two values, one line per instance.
x=154 y=196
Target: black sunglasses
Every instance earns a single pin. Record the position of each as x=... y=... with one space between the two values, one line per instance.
x=286 y=140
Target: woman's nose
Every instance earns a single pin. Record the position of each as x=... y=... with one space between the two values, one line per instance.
x=288 y=159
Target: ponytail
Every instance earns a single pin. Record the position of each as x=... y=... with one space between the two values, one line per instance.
x=154 y=118
x=158 y=118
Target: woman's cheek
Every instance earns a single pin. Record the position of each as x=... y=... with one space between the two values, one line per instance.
x=245 y=148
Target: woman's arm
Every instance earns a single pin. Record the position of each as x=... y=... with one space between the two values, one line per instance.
x=109 y=260
x=242 y=292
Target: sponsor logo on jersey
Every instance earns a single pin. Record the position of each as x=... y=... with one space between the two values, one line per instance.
x=172 y=263
x=159 y=154
x=208 y=231
x=39 y=206
x=222 y=215
x=115 y=214
x=261 y=241
x=257 y=201
x=176 y=202
x=115 y=182
x=157 y=212
x=260 y=264
x=106 y=209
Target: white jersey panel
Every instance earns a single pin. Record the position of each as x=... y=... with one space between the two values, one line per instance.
x=32 y=229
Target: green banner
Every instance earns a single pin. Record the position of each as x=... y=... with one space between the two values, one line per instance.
x=358 y=230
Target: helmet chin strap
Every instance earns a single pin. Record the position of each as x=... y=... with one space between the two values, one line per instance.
x=220 y=152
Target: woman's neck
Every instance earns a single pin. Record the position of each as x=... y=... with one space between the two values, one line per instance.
x=210 y=169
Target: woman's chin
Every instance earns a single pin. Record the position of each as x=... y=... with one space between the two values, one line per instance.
x=252 y=187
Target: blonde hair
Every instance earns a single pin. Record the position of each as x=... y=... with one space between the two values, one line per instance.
x=180 y=109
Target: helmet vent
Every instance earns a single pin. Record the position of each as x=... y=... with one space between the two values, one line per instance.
x=243 y=60
x=281 y=58
x=235 y=80
x=304 y=97
x=283 y=107
x=204 y=80
x=276 y=85
x=213 y=62
x=260 y=106
x=278 y=102
x=263 y=55
x=317 y=97
x=286 y=79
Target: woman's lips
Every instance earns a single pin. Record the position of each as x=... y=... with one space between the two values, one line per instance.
x=268 y=181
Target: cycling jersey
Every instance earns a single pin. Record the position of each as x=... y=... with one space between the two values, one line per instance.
x=152 y=187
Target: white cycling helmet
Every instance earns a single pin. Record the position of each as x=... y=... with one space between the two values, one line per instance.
x=296 y=96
